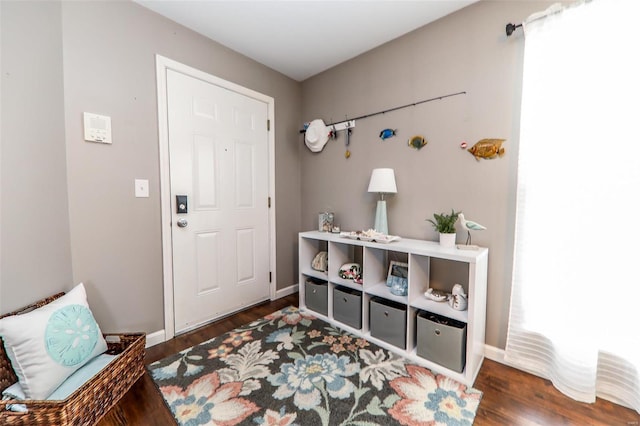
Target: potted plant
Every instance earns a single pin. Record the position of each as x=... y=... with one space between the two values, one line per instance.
x=445 y=224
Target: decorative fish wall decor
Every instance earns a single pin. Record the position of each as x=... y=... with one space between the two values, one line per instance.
x=417 y=142
x=487 y=149
x=387 y=133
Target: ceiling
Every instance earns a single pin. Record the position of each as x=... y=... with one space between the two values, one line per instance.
x=303 y=38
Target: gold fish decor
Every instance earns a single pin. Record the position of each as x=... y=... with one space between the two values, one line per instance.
x=487 y=149
x=417 y=142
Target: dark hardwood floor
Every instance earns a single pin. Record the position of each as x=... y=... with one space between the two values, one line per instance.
x=511 y=397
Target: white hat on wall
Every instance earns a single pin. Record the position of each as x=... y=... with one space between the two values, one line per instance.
x=316 y=135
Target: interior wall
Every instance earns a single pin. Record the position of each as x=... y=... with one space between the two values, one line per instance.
x=68 y=208
x=465 y=51
x=109 y=62
x=34 y=218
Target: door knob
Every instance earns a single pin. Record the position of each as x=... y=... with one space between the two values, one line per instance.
x=182 y=223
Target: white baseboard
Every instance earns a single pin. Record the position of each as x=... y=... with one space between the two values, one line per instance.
x=155 y=338
x=283 y=292
x=494 y=354
x=160 y=336
x=498 y=355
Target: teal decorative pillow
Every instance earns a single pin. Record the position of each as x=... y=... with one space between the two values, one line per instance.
x=71 y=334
x=48 y=344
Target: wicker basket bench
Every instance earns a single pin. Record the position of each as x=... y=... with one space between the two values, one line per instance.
x=89 y=403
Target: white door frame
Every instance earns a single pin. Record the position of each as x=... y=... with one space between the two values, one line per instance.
x=162 y=65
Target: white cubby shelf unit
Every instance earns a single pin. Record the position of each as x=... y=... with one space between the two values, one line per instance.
x=420 y=255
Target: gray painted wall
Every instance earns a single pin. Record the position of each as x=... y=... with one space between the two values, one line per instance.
x=466 y=51
x=34 y=218
x=105 y=54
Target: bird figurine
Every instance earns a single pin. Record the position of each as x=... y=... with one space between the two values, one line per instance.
x=470 y=225
x=458 y=300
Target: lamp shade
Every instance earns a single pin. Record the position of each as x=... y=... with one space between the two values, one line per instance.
x=383 y=181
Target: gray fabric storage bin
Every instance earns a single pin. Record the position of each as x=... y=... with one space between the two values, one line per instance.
x=442 y=340
x=316 y=296
x=388 y=321
x=347 y=306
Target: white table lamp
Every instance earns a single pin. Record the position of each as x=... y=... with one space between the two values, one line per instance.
x=383 y=181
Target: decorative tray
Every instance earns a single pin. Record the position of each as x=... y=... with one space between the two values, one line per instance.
x=370 y=235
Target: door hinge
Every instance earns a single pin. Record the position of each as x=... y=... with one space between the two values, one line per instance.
x=268 y=125
x=269 y=276
x=269 y=202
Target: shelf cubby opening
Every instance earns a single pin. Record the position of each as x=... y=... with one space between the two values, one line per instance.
x=377 y=262
x=309 y=248
x=340 y=255
x=439 y=274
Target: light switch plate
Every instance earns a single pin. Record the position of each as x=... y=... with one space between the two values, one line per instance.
x=142 y=188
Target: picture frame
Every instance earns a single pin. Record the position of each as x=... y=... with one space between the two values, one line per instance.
x=398 y=274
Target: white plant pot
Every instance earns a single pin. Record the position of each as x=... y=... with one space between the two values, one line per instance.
x=448 y=240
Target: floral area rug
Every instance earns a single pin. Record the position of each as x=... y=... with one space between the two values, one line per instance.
x=290 y=368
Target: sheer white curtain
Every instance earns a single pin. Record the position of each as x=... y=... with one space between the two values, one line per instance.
x=575 y=306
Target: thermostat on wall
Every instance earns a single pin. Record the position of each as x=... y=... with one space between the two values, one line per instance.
x=97 y=128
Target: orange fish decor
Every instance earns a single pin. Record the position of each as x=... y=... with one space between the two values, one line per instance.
x=487 y=149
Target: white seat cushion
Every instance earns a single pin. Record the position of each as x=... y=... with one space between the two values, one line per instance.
x=69 y=386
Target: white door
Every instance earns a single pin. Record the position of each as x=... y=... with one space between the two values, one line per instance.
x=218 y=154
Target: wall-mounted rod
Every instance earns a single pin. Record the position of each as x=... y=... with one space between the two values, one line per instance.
x=399 y=107
x=551 y=10
x=510 y=28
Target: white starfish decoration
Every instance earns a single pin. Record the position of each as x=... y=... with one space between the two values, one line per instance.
x=470 y=225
